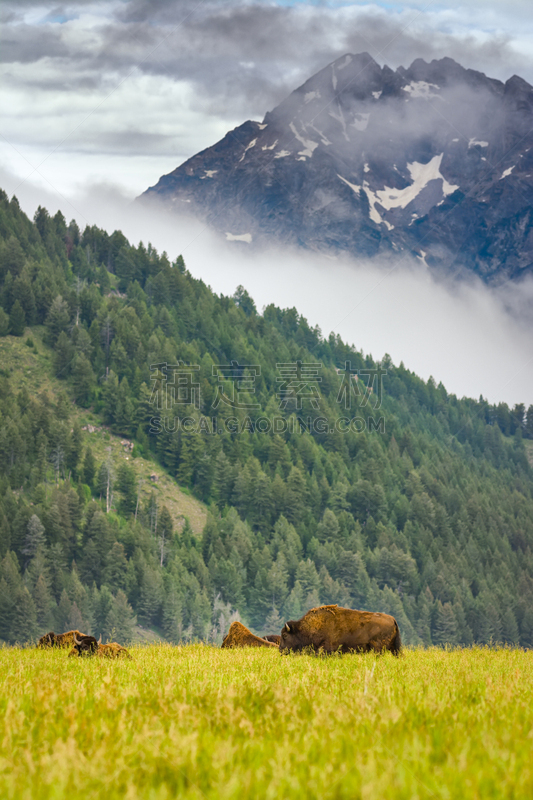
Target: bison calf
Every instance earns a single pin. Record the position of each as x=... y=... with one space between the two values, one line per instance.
x=240 y=636
x=332 y=629
x=88 y=646
x=112 y=650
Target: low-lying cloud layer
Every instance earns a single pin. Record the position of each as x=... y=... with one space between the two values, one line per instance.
x=474 y=339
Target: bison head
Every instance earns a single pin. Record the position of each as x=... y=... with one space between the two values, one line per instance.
x=48 y=640
x=290 y=637
x=87 y=645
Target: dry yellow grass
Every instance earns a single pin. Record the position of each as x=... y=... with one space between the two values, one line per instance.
x=199 y=722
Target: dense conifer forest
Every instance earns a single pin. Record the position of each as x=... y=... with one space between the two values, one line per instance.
x=422 y=508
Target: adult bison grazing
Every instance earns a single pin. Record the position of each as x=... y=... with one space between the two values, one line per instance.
x=59 y=639
x=240 y=636
x=333 y=629
x=273 y=637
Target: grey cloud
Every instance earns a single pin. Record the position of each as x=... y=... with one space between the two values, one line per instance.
x=27 y=43
x=206 y=44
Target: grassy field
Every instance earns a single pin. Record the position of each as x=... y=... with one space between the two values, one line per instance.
x=198 y=722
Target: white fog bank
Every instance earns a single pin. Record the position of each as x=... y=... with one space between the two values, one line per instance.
x=476 y=340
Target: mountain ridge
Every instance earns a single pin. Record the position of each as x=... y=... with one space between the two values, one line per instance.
x=432 y=162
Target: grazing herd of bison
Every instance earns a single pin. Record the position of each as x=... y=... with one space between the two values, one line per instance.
x=83 y=645
x=327 y=629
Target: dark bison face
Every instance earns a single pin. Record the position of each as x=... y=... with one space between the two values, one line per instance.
x=290 y=637
x=87 y=645
x=48 y=640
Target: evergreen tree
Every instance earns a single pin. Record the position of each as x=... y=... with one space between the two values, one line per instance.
x=62 y=356
x=62 y=613
x=116 y=568
x=152 y=594
x=294 y=605
x=4 y=323
x=24 y=622
x=102 y=602
x=127 y=486
x=445 y=625
x=173 y=617
x=89 y=468
x=165 y=528
x=17 y=320
x=7 y=609
x=510 y=634
x=35 y=537
x=83 y=378
x=58 y=319
x=273 y=622
x=44 y=604
x=120 y=619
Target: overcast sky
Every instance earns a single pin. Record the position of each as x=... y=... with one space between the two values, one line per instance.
x=121 y=92
x=136 y=87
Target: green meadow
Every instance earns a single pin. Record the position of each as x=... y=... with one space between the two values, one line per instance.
x=200 y=722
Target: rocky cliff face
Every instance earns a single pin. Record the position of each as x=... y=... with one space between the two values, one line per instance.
x=434 y=161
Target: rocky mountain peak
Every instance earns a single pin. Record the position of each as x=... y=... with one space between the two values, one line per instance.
x=433 y=161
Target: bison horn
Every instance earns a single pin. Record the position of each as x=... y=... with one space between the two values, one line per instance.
x=76 y=640
x=99 y=640
x=286 y=628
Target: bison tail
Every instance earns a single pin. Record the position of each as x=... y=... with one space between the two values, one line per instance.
x=396 y=642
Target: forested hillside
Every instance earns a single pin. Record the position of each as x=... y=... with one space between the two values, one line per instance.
x=422 y=507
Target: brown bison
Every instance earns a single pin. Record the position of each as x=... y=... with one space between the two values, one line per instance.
x=333 y=629
x=59 y=639
x=85 y=646
x=273 y=637
x=88 y=646
x=240 y=636
x=112 y=650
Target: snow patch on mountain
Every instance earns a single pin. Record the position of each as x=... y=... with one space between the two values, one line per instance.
x=421 y=175
x=324 y=139
x=507 y=172
x=477 y=143
x=422 y=89
x=248 y=146
x=282 y=154
x=353 y=186
x=347 y=61
x=311 y=96
x=308 y=144
x=422 y=257
x=340 y=119
x=360 y=122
